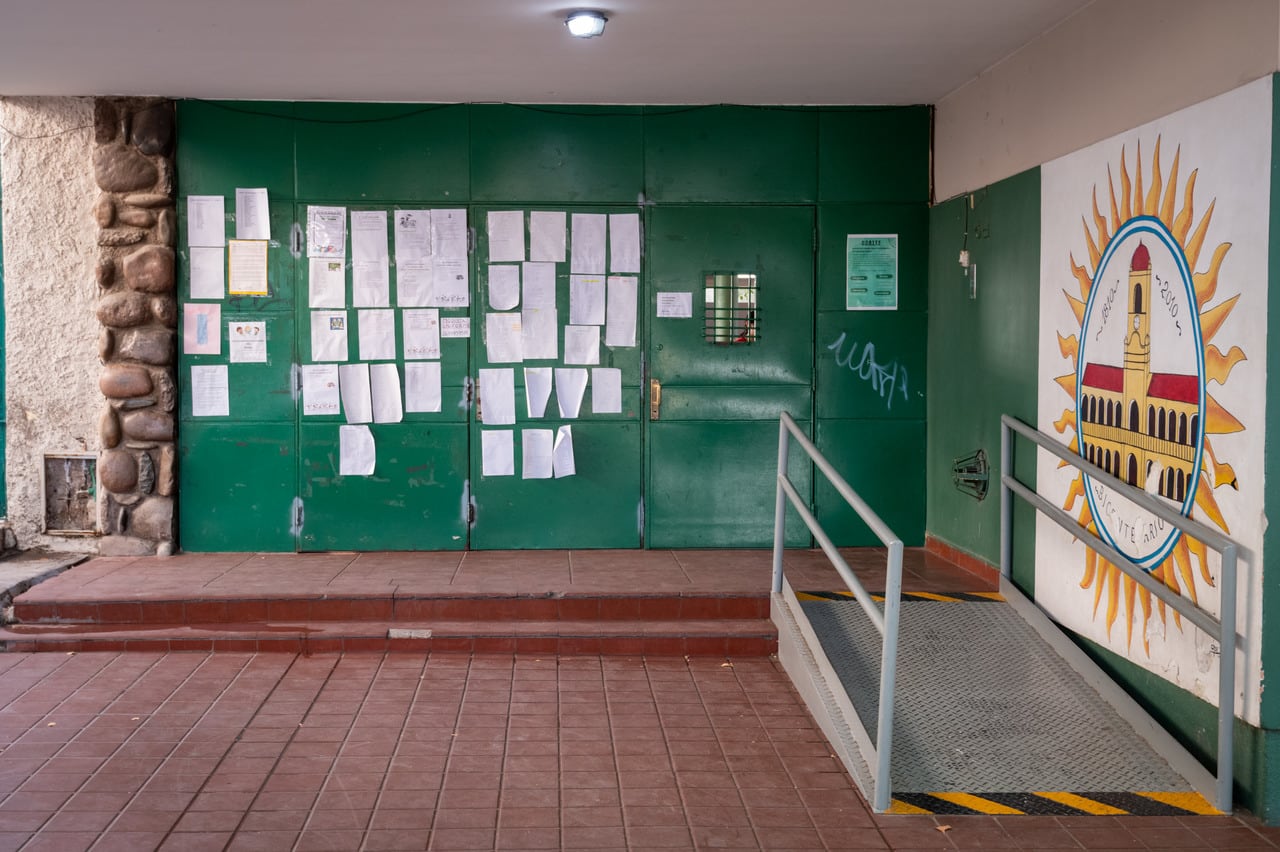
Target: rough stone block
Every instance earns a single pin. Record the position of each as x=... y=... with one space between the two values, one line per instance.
x=146 y=473
x=104 y=211
x=139 y=217
x=121 y=168
x=122 y=310
x=148 y=345
x=152 y=519
x=123 y=381
x=166 y=228
x=165 y=310
x=125 y=545
x=121 y=237
x=166 y=476
x=152 y=128
x=117 y=471
x=106 y=120
x=150 y=269
x=106 y=344
x=148 y=199
x=106 y=273
x=109 y=428
x=166 y=392
x=148 y=425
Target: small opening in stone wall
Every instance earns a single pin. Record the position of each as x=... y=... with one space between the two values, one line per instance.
x=70 y=493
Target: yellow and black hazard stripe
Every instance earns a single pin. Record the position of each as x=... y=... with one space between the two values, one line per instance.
x=1048 y=803
x=948 y=597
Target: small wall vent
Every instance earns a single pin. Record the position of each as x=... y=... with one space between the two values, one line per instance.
x=70 y=486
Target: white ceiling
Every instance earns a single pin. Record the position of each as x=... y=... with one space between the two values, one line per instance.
x=652 y=51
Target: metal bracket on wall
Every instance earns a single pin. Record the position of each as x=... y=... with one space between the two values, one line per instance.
x=970 y=474
x=655 y=399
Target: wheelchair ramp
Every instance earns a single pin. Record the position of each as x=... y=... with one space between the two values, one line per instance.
x=994 y=715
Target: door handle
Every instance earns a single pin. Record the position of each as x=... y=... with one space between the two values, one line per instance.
x=655 y=398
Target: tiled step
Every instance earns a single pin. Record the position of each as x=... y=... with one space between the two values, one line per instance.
x=685 y=637
x=33 y=609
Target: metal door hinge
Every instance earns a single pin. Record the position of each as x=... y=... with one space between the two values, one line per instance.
x=655 y=398
x=295 y=240
x=471 y=240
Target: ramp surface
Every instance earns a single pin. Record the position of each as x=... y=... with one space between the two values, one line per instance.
x=990 y=718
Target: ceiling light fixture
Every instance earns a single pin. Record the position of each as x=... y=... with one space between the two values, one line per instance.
x=585 y=23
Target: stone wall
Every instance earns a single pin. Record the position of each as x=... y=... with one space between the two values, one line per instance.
x=135 y=214
x=50 y=250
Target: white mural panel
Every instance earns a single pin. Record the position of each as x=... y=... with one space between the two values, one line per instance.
x=1153 y=276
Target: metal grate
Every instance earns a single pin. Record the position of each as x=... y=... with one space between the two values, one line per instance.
x=973 y=716
x=731 y=311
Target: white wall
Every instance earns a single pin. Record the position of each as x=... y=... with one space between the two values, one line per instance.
x=51 y=351
x=1114 y=65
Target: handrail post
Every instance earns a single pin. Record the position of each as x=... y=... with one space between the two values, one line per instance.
x=780 y=507
x=1227 y=681
x=1006 y=502
x=888 y=674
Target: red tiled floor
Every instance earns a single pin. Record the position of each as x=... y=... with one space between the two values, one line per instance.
x=440 y=751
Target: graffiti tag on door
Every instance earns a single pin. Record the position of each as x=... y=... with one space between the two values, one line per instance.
x=886 y=379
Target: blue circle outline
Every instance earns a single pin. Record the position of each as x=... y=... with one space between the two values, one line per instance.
x=1150 y=225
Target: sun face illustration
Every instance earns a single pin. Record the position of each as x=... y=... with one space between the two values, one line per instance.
x=1142 y=363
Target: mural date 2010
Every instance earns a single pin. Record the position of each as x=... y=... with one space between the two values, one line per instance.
x=886 y=379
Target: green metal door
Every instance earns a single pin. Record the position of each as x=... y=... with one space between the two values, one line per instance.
x=518 y=503
x=730 y=347
x=415 y=498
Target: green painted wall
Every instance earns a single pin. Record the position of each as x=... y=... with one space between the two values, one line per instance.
x=857 y=169
x=982 y=359
x=1270 y=711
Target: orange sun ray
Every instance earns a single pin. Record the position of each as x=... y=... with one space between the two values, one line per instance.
x=1192 y=247
x=1094 y=254
x=1100 y=221
x=1206 y=283
x=1219 y=421
x=1182 y=224
x=1125 y=186
x=1183 y=560
x=1068 y=384
x=1083 y=277
x=1113 y=596
x=1069 y=346
x=1166 y=209
x=1090 y=568
x=1152 y=204
x=1137 y=182
x=1115 y=214
x=1216 y=365
x=1209 y=504
x=1130 y=589
x=1201 y=553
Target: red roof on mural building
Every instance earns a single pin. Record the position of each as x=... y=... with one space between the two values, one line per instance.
x=1175 y=387
x=1104 y=377
x=1141 y=259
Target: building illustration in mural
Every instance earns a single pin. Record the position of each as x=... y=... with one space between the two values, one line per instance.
x=1144 y=361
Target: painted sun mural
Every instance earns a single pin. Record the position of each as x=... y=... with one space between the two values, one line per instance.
x=1144 y=366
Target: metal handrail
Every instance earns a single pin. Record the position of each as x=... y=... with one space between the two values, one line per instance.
x=886 y=622
x=1223 y=628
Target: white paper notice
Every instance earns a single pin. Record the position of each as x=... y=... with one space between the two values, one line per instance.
x=588 y=243
x=415 y=282
x=449 y=237
x=624 y=242
x=421 y=334
x=412 y=229
x=357 y=401
x=546 y=235
x=455 y=326
x=206 y=221
x=327 y=280
x=535 y=450
x=675 y=305
x=209 y=391
x=320 y=389
x=422 y=386
x=368 y=235
x=247 y=267
x=247 y=342
x=606 y=390
x=586 y=299
x=581 y=344
x=506 y=236
x=370 y=279
x=497 y=451
x=201 y=334
x=356 y=451
x=326 y=231
x=449 y=283
x=562 y=454
x=537 y=389
x=503 y=338
x=621 y=327
x=540 y=333
x=498 y=397
x=571 y=383
x=384 y=388
x=253 y=218
x=328 y=335
x=504 y=286
x=208 y=272
x=540 y=285
x=377 y=335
